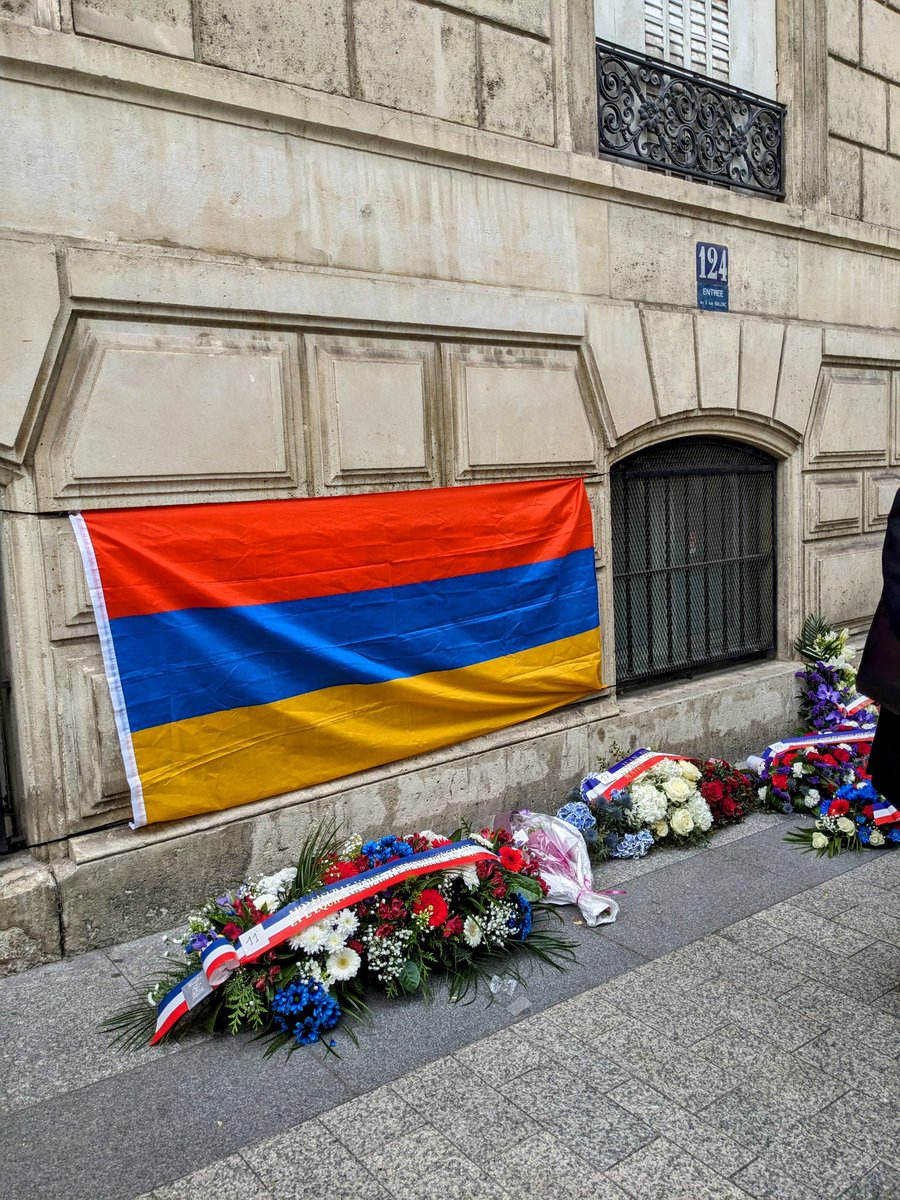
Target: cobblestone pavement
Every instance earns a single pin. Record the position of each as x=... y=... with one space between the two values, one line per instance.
x=735 y=1034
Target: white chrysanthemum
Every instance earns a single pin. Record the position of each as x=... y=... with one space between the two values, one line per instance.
x=472 y=932
x=690 y=771
x=334 y=941
x=343 y=964
x=346 y=922
x=700 y=812
x=311 y=940
x=266 y=900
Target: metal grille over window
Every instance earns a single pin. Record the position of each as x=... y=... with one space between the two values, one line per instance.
x=693 y=557
x=693 y=35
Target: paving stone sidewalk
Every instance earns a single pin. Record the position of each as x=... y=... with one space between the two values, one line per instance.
x=735 y=1034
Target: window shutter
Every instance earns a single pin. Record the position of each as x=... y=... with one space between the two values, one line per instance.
x=695 y=37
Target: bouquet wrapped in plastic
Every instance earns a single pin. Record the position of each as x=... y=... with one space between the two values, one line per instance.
x=565 y=865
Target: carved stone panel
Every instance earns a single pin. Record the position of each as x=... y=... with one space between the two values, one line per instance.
x=881 y=488
x=519 y=411
x=833 y=504
x=68 y=599
x=151 y=410
x=843 y=579
x=373 y=405
x=94 y=774
x=849 y=426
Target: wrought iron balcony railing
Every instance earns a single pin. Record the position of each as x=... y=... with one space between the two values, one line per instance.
x=673 y=120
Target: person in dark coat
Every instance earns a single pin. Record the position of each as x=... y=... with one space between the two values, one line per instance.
x=879 y=670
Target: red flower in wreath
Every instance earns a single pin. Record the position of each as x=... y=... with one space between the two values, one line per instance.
x=837 y=808
x=780 y=781
x=512 y=859
x=432 y=899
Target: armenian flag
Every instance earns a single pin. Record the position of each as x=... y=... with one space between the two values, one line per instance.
x=256 y=648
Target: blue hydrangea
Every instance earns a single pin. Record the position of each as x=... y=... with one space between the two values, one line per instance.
x=386 y=848
x=577 y=814
x=305 y=1009
x=631 y=845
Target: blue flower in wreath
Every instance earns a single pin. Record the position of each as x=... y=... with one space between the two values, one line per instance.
x=894 y=835
x=864 y=835
x=521 y=920
x=385 y=849
x=306 y=1010
x=577 y=814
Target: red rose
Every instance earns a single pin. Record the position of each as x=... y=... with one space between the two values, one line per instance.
x=432 y=899
x=512 y=859
x=729 y=808
x=837 y=808
x=499 y=889
x=868 y=811
x=712 y=790
x=780 y=782
x=361 y=863
x=453 y=926
x=231 y=931
x=355 y=944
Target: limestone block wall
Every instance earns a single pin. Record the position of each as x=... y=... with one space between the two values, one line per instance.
x=482 y=63
x=864 y=109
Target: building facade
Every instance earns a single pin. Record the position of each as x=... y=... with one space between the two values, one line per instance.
x=329 y=246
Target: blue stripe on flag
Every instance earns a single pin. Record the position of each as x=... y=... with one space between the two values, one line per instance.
x=191 y=662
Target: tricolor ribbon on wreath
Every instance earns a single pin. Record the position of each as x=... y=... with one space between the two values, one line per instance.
x=222 y=958
x=815 y=741
x=601 y=786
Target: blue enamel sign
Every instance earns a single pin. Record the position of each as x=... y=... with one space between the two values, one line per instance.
x=712 y=277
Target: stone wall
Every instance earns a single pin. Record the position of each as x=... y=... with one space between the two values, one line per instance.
x=222 y=286
x=864 y=109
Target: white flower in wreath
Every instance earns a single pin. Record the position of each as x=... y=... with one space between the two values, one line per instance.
x=690 y=771
x=762 y=792
x=342 y=964
x=661 y=830
x=876 y=838
x=819 y=841
x=346 y=922
x=812 y=798
x=845 y=825
x=472 y=932
x=701 y=813
x=797 y=769
x=266 y=900
x=311 y=940
x=682 y=822
x=648 y=803
x=677 y=790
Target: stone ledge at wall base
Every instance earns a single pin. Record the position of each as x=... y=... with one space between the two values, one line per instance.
x=119 y=885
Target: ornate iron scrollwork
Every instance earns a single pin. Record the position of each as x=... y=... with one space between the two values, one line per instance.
x=673 y=120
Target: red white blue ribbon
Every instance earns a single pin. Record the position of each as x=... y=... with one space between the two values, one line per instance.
x=759 y=762
x=623 y=773
x=884 y=813
x=221 y=958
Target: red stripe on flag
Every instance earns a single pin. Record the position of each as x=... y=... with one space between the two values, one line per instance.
x=266 y=551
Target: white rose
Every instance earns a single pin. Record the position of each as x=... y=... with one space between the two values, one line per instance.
x=682 y=822
x=690 y=771
x=819 y=841
x=845 y=825
x=661 y=830
x=677 y=790
x=876 y=838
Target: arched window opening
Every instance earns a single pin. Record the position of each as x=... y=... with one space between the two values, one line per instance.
x=693 y=524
